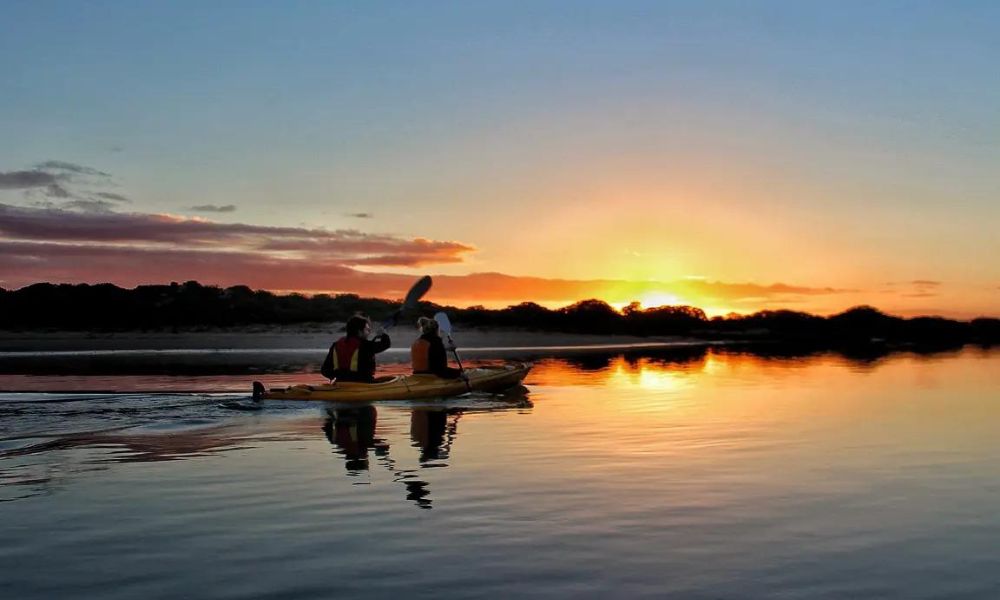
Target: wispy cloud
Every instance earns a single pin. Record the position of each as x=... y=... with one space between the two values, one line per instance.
x=214 y=208
x=361 y=215
x=91 y=206
x=373 y=249
x=60 y=180
x=19 y=180
x=921 y=283
x=68 y=167
x=113 y=197
x=57 y=191
x=916 y=288
x=63 y=245
x=57 y=225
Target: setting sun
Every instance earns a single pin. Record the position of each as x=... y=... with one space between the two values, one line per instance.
x=655 y=299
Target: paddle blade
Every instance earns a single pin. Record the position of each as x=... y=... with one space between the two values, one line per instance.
x=444 y=324
x=413 y=296
x=419 y=289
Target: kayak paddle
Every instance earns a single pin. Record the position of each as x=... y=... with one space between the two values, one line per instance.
x=417 y=291
x=444 y=325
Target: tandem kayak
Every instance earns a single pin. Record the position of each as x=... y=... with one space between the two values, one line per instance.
x=402 y=387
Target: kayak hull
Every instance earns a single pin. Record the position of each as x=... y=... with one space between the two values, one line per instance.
x=404 y=387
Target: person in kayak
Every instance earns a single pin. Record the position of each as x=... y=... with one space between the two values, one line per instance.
x=352 y=357
x=428 y=353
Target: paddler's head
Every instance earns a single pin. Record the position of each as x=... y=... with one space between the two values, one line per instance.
x=427 y=326
x=358 y=326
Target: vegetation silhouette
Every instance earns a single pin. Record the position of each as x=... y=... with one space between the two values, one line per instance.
x=192 y=306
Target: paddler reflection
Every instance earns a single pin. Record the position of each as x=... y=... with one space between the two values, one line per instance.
x=352 y=431
x=432 y=432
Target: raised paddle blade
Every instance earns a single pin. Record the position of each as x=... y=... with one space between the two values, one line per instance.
x=419 y=289
x=444 y=324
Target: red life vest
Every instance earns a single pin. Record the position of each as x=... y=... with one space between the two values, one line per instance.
x=345 y=354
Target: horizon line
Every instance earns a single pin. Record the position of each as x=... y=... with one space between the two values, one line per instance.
x=552 y=306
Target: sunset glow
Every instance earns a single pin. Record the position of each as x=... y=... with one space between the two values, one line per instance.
x=655 y=299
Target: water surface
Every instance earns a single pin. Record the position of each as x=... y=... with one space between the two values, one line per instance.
x=704 y=473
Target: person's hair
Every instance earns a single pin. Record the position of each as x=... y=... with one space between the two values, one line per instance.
x=356 y=325
x=427 y=325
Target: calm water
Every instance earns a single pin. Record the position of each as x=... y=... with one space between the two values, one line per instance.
x=704 y=475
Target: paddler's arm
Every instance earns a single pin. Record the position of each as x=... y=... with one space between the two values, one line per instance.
x=327 y=367
x=380 y=343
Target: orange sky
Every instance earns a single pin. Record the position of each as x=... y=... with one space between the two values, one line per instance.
x=57 y=245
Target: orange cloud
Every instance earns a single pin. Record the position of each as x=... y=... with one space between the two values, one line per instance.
x=123 y=233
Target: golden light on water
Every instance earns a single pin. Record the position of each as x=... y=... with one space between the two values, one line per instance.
x=694 y=394
x=645 y=377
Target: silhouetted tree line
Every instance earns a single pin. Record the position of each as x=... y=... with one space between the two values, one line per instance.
x=192 y=305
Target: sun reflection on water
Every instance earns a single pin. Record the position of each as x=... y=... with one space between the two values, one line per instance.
x=646 y=376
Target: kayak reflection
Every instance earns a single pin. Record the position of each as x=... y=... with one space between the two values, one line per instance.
x=433 y=430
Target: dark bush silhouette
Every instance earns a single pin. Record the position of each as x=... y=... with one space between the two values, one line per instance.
x=668 y=320
x=985 y=330
x=190 y=305
x=595 y=316
x=863 y=323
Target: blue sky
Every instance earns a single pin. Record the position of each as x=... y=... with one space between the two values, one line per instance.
x=849 y=131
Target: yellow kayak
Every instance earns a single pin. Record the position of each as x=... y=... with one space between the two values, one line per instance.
x=402 y=387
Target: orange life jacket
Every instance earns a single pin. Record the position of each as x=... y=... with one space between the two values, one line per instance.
x=420 y=355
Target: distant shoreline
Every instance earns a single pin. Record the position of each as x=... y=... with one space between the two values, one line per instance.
x=310 y=337
x=192 y=315
x=315 y=339
x=318 y=337
x=61 y=360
